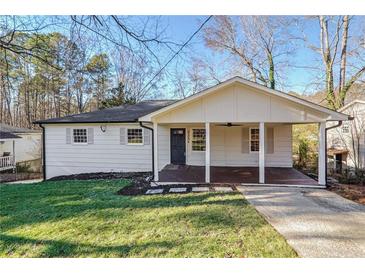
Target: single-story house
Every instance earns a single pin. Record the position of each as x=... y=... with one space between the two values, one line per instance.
x=7 y=158
x=346 y=143
x=235 y=131
x=19 y=145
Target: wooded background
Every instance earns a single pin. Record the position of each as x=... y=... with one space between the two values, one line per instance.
x=52 y=66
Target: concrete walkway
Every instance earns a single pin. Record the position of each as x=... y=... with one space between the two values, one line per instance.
x=315 y=222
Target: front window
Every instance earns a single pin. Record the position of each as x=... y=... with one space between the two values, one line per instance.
x=198 y=139
x=80 y=135
x=254 y=139
x=135 y=136
x=345 y=128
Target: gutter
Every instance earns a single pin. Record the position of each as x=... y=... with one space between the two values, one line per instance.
x=88 y=122
x=43 y=151
x=153 y=147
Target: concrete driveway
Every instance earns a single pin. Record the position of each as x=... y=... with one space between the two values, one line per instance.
x=315 y=222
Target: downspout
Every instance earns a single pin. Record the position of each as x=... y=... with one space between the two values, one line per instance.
x=153 y=147
x=43 y=151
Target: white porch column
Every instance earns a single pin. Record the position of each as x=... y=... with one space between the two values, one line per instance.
x=262 y=153
x=322 y=154
x=155 y=151
x=207 y=152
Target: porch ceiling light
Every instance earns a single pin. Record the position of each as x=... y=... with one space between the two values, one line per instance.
x=229 y=125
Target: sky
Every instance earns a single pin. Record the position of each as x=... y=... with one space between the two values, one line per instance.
x=181 y=27
x=298 y=76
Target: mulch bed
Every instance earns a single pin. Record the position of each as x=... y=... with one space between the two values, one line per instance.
x=140 y=189
x=139 y=180
x=355 y=193
x=135 y=176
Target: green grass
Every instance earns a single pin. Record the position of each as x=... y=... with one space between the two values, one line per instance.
x=87 y=219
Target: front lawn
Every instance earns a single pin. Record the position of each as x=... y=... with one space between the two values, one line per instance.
x=87 y=219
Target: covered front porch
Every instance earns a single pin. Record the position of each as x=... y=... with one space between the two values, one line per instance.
x=230 y=153
x=234 y=175
x=232 y=132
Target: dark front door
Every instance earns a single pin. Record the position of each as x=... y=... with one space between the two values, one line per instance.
x=339 y=163
x=177 y=141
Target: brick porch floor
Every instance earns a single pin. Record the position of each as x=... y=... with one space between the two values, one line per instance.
x=234 y=175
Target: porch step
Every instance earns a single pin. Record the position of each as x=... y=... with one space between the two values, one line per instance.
x=177 y=189
x=154 y=191
x=223 y=189
x=200 y=189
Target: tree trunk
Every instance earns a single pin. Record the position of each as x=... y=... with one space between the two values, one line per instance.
x=271 y=70
x=328 y=62
x=342 y=79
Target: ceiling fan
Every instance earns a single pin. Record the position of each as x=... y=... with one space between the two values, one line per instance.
x=228 y=125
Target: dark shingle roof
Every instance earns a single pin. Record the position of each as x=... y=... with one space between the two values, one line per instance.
x=124 y=113
x=8 y=135
x=12 y=129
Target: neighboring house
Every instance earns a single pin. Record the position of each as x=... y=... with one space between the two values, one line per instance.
x=19 y=145
x=346 y=143
x=217 y=132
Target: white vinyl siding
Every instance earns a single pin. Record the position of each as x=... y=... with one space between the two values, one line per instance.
x=237 y=103
x=163 y=143
x=106 y=154
x=226 y=147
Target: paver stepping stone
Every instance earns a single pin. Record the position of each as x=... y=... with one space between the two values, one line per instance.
x=200 y=189
x=154 y=191
x=178 y=189
x=223 y=188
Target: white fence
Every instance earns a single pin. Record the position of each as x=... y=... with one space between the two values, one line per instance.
x=6 y=162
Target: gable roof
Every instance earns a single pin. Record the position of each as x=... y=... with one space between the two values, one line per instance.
x=357 y=101
x=120 y=114
x=334 y=115
x=8 y=135
x=12 y=129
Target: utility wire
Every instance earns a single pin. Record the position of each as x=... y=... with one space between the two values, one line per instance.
x=177 y=53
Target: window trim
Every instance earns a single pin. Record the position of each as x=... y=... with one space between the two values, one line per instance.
x=249 y=140
x=191 y=140
x=134 y=144
x=80 y=143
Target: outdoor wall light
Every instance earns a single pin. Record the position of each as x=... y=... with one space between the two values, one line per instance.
x=103 y=128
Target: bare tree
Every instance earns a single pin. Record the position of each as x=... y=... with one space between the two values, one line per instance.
x=333 y=48
x=44 y=73
x=261 y=43
x=198 y=75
